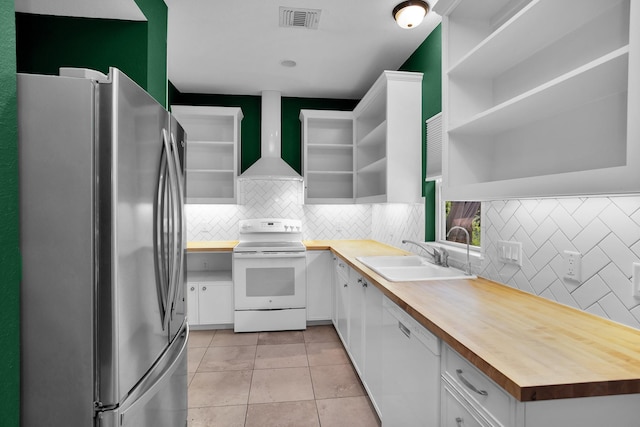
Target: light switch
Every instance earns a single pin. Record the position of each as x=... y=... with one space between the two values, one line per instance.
x=510 y=252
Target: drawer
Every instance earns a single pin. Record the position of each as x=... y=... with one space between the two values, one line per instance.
x=457 y=413
x=342 y=269
x=477 y=387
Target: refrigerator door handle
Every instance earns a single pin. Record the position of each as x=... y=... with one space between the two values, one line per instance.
x=160 y=241
x=181 y=224
x=175 y=251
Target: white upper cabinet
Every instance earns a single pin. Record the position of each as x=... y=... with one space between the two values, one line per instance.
x=540 y=98
x=388 y=140
x=213 y=147
x=328 y=156
x=370 y=155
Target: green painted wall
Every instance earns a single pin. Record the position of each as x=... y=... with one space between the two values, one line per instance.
x=9 y=227
x=250 y=127
x=428 y=60
x=138 y=48
x=81 y=42
x=156 y=13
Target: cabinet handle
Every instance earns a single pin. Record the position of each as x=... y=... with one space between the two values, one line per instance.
x=341 y=265
x=345 y=285
x=459 y=422
x=204 y=288
x=404 y=329
x=469 y=385
x=360 y=280
x=193 y=288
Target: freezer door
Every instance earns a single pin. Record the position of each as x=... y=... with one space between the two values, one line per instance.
x=132 y=329
x=160 y=400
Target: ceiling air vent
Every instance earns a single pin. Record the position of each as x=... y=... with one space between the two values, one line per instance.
x=299 y=18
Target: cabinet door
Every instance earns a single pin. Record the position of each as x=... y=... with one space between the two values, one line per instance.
x=357 y=289
x=342 y=308
x=192 y=303
x=373 y=343
x=319 y=285
x=215 y=303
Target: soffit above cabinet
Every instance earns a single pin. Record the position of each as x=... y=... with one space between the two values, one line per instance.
x=106 y=9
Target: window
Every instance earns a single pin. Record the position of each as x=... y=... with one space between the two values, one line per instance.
x=465 y=214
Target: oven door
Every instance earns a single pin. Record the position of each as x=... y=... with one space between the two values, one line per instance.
x=269 y=280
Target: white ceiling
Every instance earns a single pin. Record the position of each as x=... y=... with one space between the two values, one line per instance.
x=235 y=47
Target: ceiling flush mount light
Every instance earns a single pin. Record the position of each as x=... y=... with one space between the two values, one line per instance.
x=410 y=13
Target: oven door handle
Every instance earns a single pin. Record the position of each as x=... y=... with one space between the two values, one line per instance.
x=266 y=254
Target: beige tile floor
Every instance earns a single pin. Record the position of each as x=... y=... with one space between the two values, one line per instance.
x=292 y=378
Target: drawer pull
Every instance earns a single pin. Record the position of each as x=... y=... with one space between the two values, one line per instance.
x=469 y=385
x=404 y=330
x=459 y=422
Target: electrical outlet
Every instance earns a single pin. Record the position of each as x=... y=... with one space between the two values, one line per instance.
x=635 y=280
x=572 y=265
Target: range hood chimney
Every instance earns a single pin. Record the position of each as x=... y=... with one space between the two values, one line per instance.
x=271 y=165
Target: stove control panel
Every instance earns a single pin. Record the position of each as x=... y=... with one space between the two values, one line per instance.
x=270 y=225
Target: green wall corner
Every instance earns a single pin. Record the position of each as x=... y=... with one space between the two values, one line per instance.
x=10 y=264
x=427 y=59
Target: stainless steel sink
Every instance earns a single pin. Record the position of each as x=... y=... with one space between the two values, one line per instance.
x=410 y=268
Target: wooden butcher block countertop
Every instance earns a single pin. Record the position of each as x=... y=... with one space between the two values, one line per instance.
x=532 y=347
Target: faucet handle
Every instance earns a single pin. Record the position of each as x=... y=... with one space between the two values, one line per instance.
x=443 y=256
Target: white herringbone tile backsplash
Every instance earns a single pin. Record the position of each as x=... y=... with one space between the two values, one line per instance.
x=395 y=222
x=284 y=199
x=605 y=230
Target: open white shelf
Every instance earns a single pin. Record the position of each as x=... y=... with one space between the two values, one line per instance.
x=540 y=98
x=598 y=79
x=348 y=155
x=328 y=156
x=213 y=138
x=536 y=26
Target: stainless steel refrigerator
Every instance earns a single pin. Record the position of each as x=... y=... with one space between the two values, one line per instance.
x=102 y=184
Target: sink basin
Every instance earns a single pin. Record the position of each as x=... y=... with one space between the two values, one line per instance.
x=410 y=268
x=392 y=261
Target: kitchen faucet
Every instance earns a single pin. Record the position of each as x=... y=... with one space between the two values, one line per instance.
x=468 y=265
x=440 y=255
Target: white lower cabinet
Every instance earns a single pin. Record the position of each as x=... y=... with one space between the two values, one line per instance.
x=373 y=344
x=209 y=289
x=341 y=300
x=396 y=358
x=357 y=301
x=319 y=285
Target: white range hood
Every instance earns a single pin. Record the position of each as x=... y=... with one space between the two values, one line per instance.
x=271 y=165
